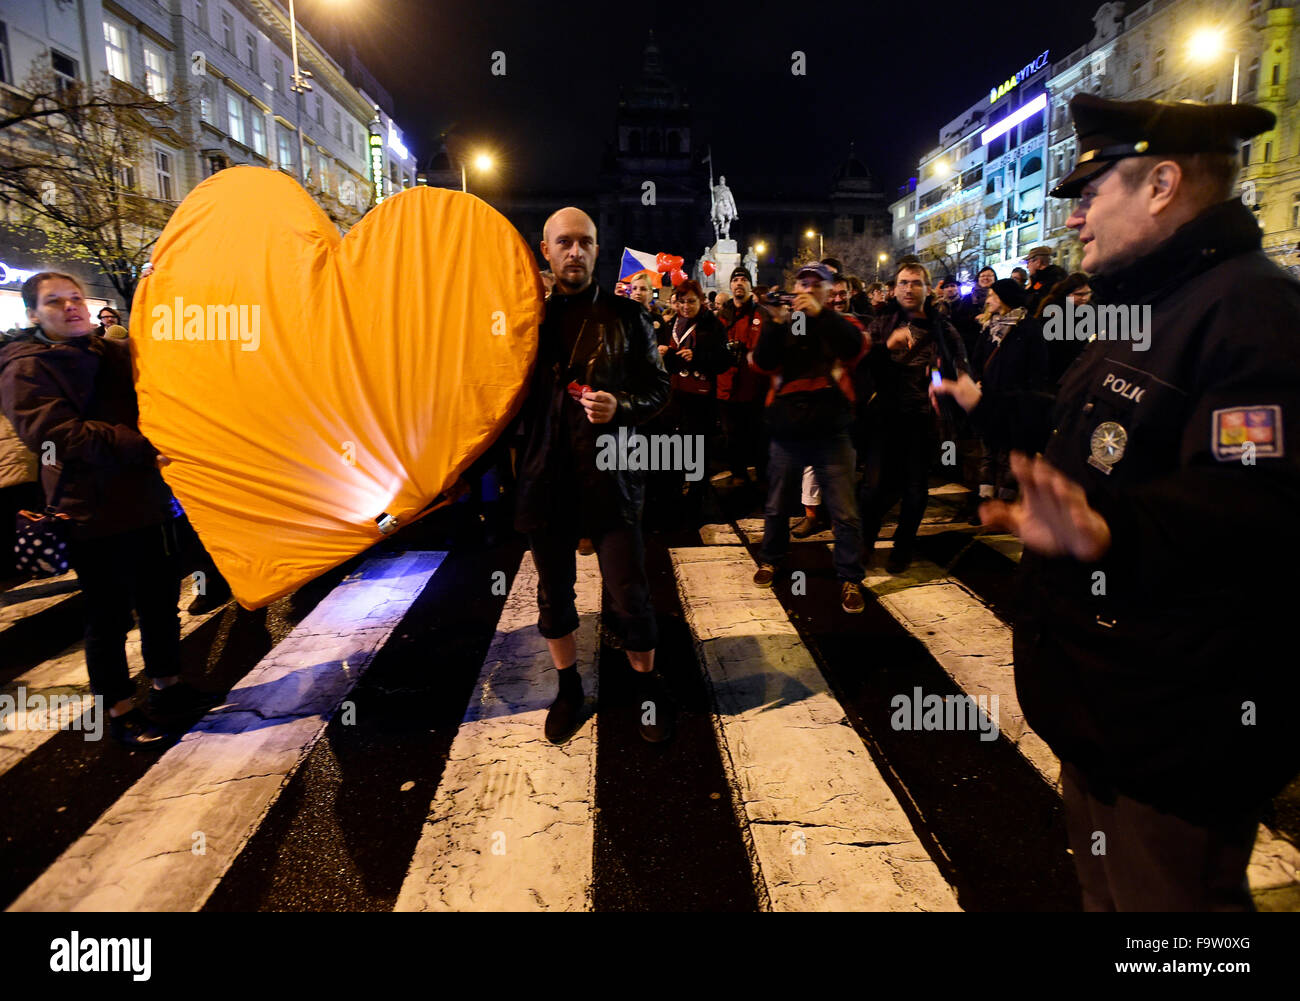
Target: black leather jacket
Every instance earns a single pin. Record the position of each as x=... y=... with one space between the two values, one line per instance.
x=616 y=351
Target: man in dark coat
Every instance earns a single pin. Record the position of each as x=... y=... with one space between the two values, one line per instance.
x=598 y=375
x=1164 y=687
x=1043 y=274
x=901 y=435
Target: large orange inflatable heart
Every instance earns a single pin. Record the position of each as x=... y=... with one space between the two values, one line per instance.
x=305 y=384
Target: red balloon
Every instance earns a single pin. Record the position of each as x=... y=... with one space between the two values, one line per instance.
x=676 y=261
x=708 y=268
x=677 y=277
x=664 y=262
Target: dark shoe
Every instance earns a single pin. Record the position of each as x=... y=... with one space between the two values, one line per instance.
x=181 y=699
x=217 y=594
x=851 y=599
x=809 y=526
x=656 y=708
x=565 y=715
x=899 y=561
x=764 y=574
x=135 y=729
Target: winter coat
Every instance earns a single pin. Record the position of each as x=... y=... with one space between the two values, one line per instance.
x=616 y=352
x=1157 y=674
x=743 y=383
x=79 y=396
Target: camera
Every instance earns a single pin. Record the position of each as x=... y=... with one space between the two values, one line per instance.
x=775 y=297
x=738 y=352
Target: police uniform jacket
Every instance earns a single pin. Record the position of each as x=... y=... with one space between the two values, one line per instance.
x=1164 y=670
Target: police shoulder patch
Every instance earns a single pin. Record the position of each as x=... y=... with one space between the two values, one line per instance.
x=1239 y=430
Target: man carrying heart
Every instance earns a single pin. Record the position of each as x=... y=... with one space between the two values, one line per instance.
x=604 y=347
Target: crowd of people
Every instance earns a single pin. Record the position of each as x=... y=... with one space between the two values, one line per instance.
x=1111 y=463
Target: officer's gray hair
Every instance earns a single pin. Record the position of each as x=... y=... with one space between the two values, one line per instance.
x=1209 y=177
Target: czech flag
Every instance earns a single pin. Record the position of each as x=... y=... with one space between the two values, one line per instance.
x=634 y=262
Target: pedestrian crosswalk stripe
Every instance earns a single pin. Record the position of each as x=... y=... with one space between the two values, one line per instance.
x=33 y=596
x=66 y=674
x=165 y=843
x=824 y=829
x=511 y=826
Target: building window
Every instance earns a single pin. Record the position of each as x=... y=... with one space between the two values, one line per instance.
x=214 y=162
x=126 y=177
x=285 y=145
x=277 y=74
x=351 y=134
x=1160 y=63
x=65 y=71
x=1295 y=211
x=1277 y=74
x=1252 y=77
x=338 y=124
x=163 y=166
x=155 y=72
x=250 y=52
x=1245 y=154
x=324 y=171
x=205 y=103
x=1135 y=79
x=115 y=51
x=257 y=124
x=235 y=113
x=228 y=32
x=320 y=110
x=1268 y=152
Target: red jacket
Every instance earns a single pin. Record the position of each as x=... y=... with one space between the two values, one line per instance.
x=743 y=384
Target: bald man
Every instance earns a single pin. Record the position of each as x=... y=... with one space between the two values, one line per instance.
x=598 y=373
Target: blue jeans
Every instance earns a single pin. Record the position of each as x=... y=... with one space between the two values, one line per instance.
x=832 y=460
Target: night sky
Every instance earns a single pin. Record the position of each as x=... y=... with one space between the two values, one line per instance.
x=885 y=78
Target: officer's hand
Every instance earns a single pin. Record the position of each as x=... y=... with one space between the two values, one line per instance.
x=1052 y=516
x=600 y=406
x=964 y=389
x=806 y=302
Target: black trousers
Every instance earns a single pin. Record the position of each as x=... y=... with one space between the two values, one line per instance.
x=746 y=437
x=134 y=570
x=621 y=554
x=897 y=468
x=1132 y=857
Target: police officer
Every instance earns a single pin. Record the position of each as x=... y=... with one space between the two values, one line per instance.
x=1153 y=669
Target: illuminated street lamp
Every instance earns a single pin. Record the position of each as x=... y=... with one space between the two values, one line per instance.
x=482 y=163
x=1209 y=44
x=880 y=264
x=761 y=248
x=821 y=244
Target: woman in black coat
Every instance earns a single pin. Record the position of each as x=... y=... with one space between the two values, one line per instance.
x=694 y=353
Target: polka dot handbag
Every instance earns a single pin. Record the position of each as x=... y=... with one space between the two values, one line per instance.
x=41 y=545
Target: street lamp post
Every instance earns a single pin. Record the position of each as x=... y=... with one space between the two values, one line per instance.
x=301 y=84
x=1209 y=43
x=821 y=243
x=880 y=263
x=482 y=162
